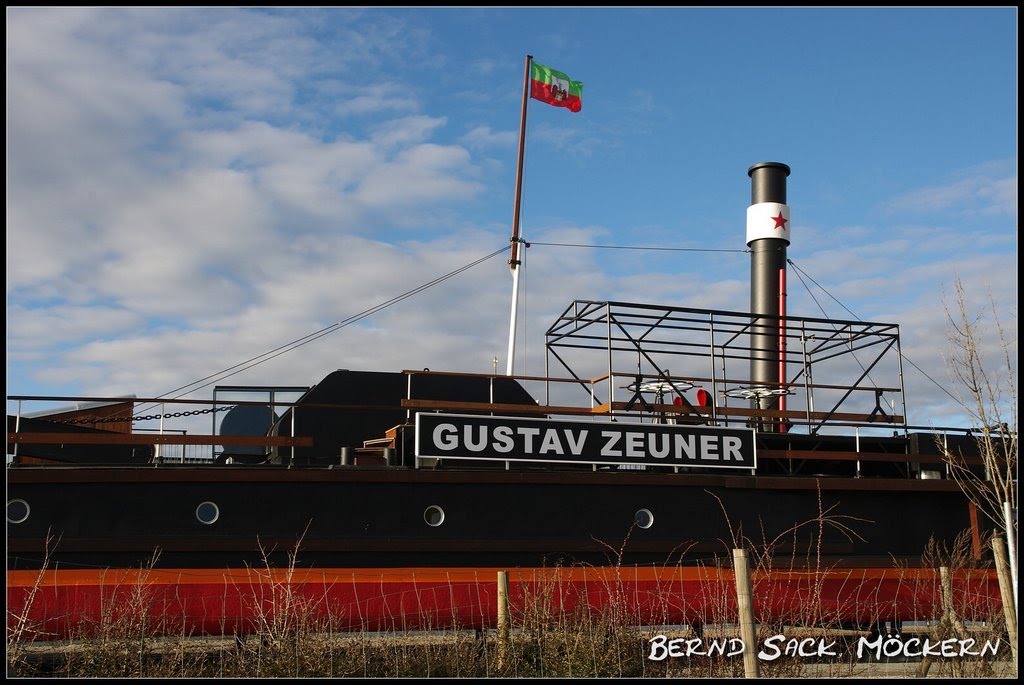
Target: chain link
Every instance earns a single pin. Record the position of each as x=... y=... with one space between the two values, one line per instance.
x=151 y=417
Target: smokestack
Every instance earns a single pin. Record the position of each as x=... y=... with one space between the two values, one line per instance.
x=767 y=238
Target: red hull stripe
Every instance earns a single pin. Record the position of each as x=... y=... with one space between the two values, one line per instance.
x=60 y=604
x=28 y=578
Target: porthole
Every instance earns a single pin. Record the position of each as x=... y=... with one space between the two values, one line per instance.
x=17 y=511
x=433 y=515
x=643 y=518
x=207 y=513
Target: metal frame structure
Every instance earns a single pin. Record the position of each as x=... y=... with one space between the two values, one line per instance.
x=835 y=364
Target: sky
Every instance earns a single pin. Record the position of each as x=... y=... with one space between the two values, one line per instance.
x=190 y=190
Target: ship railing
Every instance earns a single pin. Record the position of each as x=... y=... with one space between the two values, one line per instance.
x=661 y=398
x=173 y=444
x=118 y=421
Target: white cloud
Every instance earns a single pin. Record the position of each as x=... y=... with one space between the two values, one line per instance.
x=484 y=137
x=161 y=220
x=426 y=172
x=989 y=190
x=381 y=97
x=408 y=130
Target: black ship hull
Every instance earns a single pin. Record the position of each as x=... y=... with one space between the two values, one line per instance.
x=353 y=518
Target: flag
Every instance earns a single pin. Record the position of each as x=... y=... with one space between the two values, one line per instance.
x=555 y=87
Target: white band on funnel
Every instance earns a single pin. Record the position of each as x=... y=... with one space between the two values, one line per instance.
x=767 y=220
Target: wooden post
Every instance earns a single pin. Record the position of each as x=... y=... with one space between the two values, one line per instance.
x=948 y=624
x=503 y=619
x=745 y=605
x=1006 y=592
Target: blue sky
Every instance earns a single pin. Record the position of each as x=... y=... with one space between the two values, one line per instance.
x=190 y=188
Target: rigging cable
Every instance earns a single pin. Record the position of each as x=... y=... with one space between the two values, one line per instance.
x=905 y=357
x=606 y=247
x=299 y=342
x=824 y=314
x=637 y=247
x=822 y=309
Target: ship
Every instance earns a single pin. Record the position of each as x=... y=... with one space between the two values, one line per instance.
x=659 y=440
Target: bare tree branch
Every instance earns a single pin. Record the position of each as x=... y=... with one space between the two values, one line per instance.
x=990 y=398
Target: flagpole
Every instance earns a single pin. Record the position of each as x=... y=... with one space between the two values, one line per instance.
x=515 y=258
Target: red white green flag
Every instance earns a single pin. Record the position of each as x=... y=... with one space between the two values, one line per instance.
x=555 y=87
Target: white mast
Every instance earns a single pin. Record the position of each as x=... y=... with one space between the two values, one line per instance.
x=515 y=258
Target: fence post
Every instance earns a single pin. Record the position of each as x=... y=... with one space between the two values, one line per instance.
x=1006 y=592
x=503 y=620
x=745 y=605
